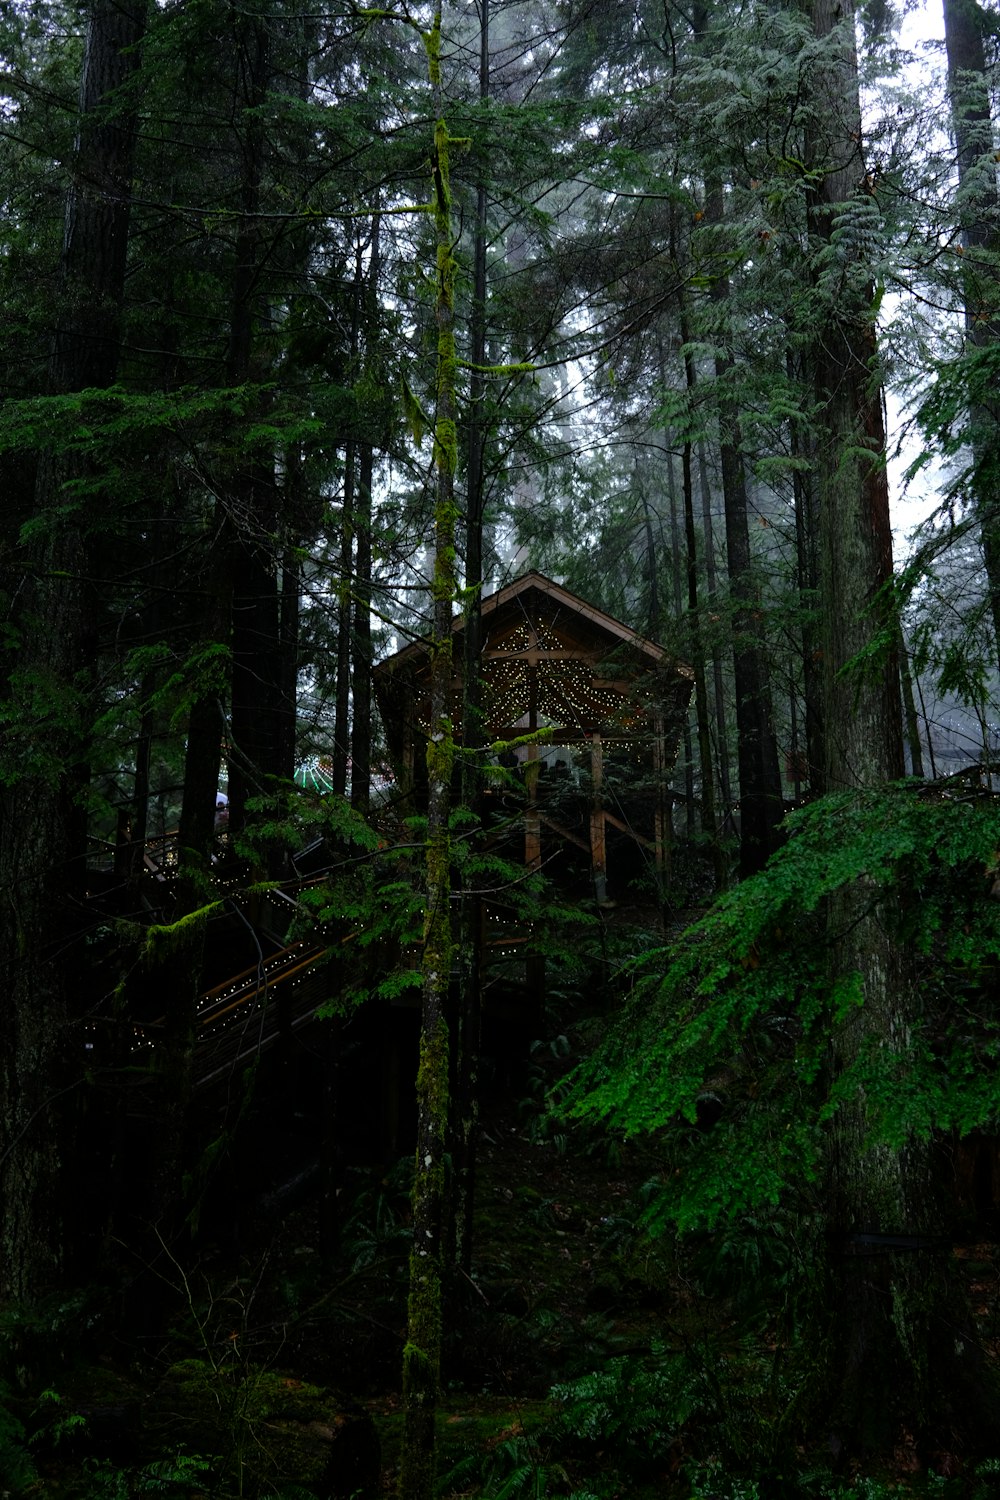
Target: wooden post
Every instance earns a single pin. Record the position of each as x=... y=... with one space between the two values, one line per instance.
x=406 y=805
x=123 y=842
x=532 y=824
x=598 y=857
x=662 y=820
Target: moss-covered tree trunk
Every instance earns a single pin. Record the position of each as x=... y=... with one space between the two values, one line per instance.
x=422 y=1355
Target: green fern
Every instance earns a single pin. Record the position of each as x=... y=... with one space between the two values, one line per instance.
x=16 y=1464
x=742 y=1008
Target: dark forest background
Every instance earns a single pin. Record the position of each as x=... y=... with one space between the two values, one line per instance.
x=320 y=326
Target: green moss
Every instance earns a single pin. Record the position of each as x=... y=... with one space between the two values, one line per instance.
x=432 y=1074
x=432 y=46
x=446 y=445
x=517 y=369
x=165 y=939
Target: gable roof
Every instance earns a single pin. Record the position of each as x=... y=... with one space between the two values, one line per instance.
x=580 y=667
x=518 y=596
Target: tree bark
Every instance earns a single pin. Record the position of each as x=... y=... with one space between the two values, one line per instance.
x=709 y=826
x=889 y=1302
x=465 y=1103
x=718 y=677
x=676 y=556
x=862 y=711
x=342 y=700
x=972 y=128
x=42 y=818
x=761 y=801
x=807 y=581
x=422 y=1355
x=361 y=726
x=250 y=517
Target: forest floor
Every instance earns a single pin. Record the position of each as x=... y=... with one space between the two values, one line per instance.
x=599 y=1364
x=585 y=1358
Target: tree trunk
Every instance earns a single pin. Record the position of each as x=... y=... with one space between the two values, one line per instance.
x=422 y=1355
x=342 y=701
x=862 y=711
x=709 y=826
x=890 y=1303
x=718 y=678
x=361 y=725
x=972 y=127
x=465 y=1102
x=676 y=556
x=761 y=801
x=250 y=519
x=42 y=818
x=910 y=710
x=807 y=580
x=345 y=612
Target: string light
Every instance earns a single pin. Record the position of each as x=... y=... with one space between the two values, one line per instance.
x=315 y=775
x=217 y=1011
x=568 y=694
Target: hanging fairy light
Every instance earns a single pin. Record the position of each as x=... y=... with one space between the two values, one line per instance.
x=536 y=661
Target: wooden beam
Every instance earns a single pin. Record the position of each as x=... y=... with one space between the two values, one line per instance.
x=564 y=833
x=535 y=654
x=640 y=838
x=663 y=822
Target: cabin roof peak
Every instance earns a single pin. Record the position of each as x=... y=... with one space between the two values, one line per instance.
x=535 y=593
x=548 y=659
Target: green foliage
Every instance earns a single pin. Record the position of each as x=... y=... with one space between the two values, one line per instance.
x=57 y=1423
x=35 y=1337
x=377 y=1230
x=712 y=1480
x=636 y=1406
x=757 y=1267
x=256 y=1423
x=374 y=899
x=638 y=1414
x=640 y=1424
x=42 y=723
x=416 y=417
x=98 y=422
x=204 y=672
x=734 y=1020
x=515 y=1467
x=175 y=1478
x=288 y=815
x=16 y=1465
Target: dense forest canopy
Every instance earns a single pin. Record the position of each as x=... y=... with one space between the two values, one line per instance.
x=321 y=327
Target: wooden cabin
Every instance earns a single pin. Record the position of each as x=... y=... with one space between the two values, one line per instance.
x=582 y=719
